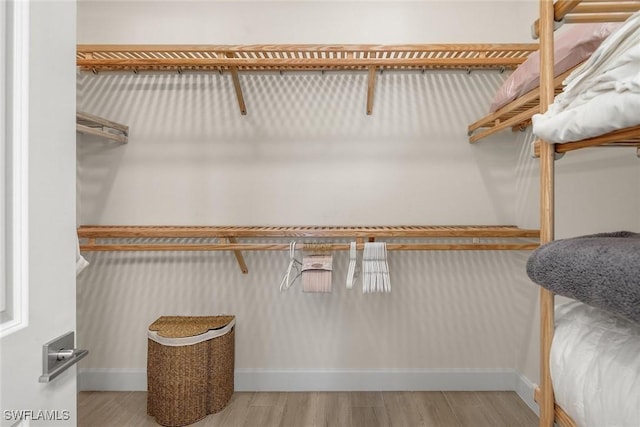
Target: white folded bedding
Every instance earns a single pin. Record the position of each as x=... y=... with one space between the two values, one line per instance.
x=600 y=96
x=595 y=366
x=607 y=112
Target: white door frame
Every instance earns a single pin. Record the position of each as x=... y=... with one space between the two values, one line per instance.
x=15 y=214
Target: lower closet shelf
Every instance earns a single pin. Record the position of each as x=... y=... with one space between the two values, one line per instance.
x=163 y=238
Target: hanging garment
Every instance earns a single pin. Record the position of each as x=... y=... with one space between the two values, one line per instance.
x=316 y=273
x=375 y=270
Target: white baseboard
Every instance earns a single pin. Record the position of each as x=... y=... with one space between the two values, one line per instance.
x=112 y=379
x=525 y=390
x=375 y=380
x=334 y=380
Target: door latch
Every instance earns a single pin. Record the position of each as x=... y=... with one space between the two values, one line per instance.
x=58 y=355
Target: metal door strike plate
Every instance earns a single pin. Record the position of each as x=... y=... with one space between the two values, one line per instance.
x=59 y=355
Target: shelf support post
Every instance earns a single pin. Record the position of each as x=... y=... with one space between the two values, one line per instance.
x=236 y=84
x=547 y=158
x=371 y=85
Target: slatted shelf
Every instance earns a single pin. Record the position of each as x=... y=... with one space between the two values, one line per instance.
x=516 y=115
x=628 y=137
x=172 y=238
x=181 y=238
x=128 y=232
x=300 y=56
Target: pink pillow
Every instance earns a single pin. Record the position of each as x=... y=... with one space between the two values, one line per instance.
x=573 y=44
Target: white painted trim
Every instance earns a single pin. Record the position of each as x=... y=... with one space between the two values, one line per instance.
x=19 y=178
x=108 y=379
x=525 y=390
x=378 y=380
x=3 y=145
x=329 y=380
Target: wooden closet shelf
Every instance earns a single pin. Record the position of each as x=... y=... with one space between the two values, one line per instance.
x=511 y=238
x=100 y=231
x=628 y=137
x=301 y=56
x=515 y=115
x=238 y=247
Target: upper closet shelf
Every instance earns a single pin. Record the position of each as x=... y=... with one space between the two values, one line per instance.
x=300 y=56
x=94 y=125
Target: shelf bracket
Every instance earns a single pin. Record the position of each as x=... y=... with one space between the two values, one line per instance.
x=236 y=84
x=371 y=85
x=239 y=257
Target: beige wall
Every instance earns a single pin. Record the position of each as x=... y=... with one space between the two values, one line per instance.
x=306 y=153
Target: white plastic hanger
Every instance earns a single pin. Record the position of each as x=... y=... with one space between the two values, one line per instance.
x=375 y=269
x=353 y=257
x=286 y=283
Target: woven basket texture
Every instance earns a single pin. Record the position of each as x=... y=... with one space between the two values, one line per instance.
x=187 y=383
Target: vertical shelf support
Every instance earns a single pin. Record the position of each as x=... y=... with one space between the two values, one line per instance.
x=236 y=84
x=547 y=158
x=371 y=85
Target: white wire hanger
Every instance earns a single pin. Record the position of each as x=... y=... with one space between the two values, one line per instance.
x=287 y=282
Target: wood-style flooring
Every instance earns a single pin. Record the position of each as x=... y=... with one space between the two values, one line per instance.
x=315 y=409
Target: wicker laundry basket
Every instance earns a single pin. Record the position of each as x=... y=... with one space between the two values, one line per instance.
x=190 y=366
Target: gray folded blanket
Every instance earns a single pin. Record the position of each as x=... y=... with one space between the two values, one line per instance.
x=602 y=270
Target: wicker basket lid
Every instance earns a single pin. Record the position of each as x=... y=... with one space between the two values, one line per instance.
x=188 y=326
